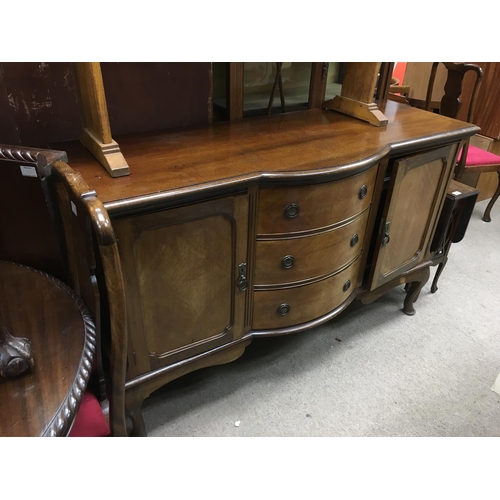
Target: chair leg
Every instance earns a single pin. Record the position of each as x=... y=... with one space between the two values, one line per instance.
x=486 y=216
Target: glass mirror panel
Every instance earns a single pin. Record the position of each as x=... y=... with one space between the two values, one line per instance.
x=334 y=79
x=290 y=81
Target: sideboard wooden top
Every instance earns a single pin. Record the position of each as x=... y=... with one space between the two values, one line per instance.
x=307 y=144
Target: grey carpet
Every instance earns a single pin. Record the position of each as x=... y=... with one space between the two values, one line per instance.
x=372 y=371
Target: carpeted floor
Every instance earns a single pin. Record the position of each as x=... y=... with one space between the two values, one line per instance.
x=373 y=371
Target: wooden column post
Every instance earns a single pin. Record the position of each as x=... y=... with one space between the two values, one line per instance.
x=358 y=90
x=96 y=135
x=234 y=96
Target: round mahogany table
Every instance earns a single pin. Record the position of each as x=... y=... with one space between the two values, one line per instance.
x=44 y=400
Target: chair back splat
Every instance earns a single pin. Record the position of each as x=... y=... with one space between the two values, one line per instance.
x=471 y=158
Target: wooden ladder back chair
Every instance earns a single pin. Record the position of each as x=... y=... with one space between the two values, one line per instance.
x=92 y=254
x=471 y=159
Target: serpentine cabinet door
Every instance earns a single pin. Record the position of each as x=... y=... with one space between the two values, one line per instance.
x=414 y=199
x=184 y=280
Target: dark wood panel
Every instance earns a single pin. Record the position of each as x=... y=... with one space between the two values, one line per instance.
x=487 y=112
x=144 y=96
x=44 y=102
x=27 y=233
x=9 y=133
x=293 y=143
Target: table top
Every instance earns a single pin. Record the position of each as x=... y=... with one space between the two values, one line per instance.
x=44 y=400
x=271 y=148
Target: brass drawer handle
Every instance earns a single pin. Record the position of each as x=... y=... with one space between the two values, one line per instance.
x=354 y=240
x=283 y=309
x=291 y=211
x=347 y=285
x=287 y=262
x=363 y=191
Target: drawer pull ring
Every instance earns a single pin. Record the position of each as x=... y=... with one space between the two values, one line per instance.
x=354 y=240
x=287 y=262
x=363 y=191
x=347 y=285
x=291 y=211
x=283 y=309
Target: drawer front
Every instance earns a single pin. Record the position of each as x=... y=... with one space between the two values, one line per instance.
x=293 y=306
x=296 y=259
x=291 y=209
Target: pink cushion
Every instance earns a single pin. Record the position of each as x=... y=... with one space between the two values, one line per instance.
x=477 y=157
x=89 y=421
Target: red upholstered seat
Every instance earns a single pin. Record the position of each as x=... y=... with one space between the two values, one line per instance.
x=89 y=421
x=477 y=157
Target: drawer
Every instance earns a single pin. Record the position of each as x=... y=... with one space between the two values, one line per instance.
x=296 y=305
x=292 y=209
x=294 y=259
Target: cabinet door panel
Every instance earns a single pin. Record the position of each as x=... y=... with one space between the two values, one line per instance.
x=181 y=269
x=182 y=272
x=414 y=199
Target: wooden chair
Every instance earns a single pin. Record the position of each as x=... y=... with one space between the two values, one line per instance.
x=25 y=177
x=92 y=258
x=471 y=159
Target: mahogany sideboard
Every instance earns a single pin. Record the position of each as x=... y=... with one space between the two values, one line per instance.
x=264 y=226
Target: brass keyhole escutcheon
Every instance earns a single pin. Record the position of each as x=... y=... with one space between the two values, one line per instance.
x=386 y=238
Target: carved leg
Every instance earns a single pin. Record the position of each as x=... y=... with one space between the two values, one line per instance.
x=133 y=411
x=486 y=216
x=414 y=292
x=16 y=354
x=440 y=268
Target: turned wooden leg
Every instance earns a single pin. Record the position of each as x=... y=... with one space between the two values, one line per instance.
x=486 y=216
x=440 y=268
x=414 y=292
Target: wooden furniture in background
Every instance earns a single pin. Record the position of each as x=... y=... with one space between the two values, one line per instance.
x=44 y=401
x=486 y=115
x=416 y=77
x=472 y=159
x=248 y=228
x=96 y=135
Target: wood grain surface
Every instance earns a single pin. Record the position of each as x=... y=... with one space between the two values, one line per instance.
x=306 y=302
x=301 y=146
x=313 y=256
x=44 y=401
x=319 y=206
